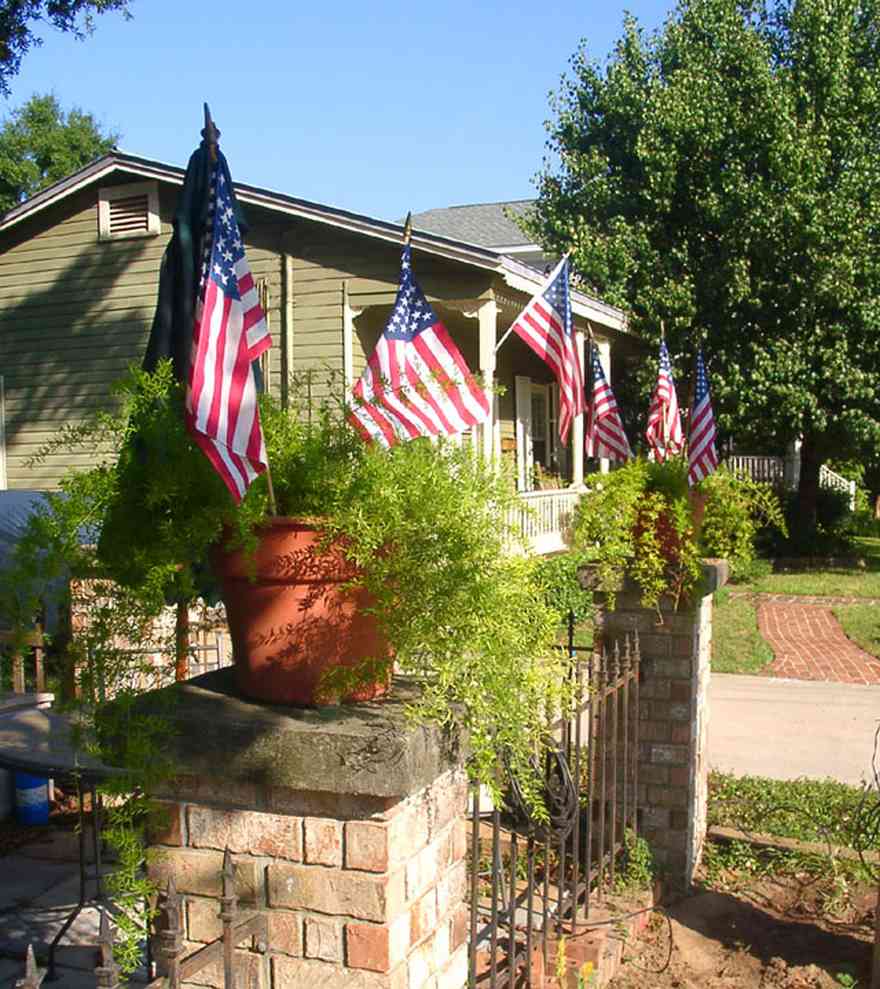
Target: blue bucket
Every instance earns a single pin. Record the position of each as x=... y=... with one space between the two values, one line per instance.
x=31 y=799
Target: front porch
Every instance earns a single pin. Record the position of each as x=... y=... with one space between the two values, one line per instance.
x=522 y=428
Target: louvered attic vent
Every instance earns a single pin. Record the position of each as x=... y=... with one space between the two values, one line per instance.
x=128 y=211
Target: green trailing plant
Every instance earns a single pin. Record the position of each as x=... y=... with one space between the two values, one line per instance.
x=643 y=521
x=558 y=578
x=638 y=868
x=425 y=524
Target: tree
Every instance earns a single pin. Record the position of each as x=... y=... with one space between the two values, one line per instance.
x=40 y=144
x=723 y=176
x=17 y=16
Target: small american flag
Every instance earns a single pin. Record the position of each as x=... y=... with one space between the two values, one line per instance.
x=230 y=332
x=416 y=383
x=664 y=433
x=702 y=455
x=545 y=325
x=604 y=434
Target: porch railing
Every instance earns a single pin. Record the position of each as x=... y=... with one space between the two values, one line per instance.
x=544 y=518
x=771 y=470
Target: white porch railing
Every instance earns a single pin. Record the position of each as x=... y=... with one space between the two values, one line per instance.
x=828 y=479
x=544 y=518
x=772 y=470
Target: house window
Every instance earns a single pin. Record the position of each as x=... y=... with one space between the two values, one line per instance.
x=128 y=211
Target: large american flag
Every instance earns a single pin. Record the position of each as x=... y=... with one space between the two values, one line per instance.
x=664 y=433
x=230 y=332
x=416 y=383
x=702 y=455
x=604 y=435
x=545 y=325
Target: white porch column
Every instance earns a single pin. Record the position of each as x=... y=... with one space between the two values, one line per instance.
x=487 y=314
x=349 y=315
x=604 y=348
x=577 y=428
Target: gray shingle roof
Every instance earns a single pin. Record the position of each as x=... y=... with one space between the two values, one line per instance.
x=483 y=223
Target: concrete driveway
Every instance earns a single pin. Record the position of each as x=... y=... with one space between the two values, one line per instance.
x=783 y=729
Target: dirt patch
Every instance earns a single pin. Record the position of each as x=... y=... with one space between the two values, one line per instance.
x=778 y=934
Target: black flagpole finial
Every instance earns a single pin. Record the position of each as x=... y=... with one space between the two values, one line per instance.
x=407 y=229
x=210 y=133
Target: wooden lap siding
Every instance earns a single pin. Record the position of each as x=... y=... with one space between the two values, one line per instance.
x=74 y=313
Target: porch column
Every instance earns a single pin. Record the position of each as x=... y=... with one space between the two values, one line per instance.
x=604 y=348
x=577 y=429
x=487 y=314
x=349 y=315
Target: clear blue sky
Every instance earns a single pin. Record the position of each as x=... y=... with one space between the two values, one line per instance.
x=378 y=107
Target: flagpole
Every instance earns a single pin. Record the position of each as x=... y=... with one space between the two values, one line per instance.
x=510 y=328
x=665 y=416
x=211 y=137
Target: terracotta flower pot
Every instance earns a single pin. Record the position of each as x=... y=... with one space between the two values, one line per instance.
x=290 y=618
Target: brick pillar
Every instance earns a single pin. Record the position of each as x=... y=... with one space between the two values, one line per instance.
x=674 y=713
x=345 y=826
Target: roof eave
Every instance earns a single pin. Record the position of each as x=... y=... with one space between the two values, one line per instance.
x=517 y=275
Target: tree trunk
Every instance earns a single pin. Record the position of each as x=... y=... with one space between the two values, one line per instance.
x=808 y=493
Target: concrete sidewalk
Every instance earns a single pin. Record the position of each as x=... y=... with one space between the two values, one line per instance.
x=783 y=729
x=38 y=891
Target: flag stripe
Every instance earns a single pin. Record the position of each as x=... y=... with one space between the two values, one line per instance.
x=229 y=332
x=545 y=325
x=416 y=383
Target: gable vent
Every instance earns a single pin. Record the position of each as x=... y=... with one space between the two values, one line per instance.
x=130 y=215
x=128 y=211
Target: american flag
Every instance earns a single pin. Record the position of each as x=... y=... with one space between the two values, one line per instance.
x=416 y=383
x=230 y=332
x=702 y=455
x=664 y=433
x=545 y=325
x=604 y=435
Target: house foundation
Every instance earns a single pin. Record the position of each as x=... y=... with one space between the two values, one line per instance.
x=346 y=829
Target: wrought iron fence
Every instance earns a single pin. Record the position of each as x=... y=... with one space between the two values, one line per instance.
x=174 y=965
x=532 y=880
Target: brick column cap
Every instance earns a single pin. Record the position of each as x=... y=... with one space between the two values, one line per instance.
x=371 y=749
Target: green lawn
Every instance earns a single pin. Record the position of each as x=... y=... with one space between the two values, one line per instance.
x=857 y=582
x=737 y=646
x=861 y=623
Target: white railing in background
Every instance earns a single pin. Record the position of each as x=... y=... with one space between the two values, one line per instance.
x=829 y=479
x=771 y=470
x=544 y=518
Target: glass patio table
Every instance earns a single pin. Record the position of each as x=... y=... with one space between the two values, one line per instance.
x=39 y=742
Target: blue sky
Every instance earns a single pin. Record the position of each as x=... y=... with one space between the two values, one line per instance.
x=378 y=107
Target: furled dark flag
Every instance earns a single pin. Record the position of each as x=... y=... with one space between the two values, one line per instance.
x=702 y=455
x=230 y=332
x=416 y=383
x=546 y=326
x=209 y=322
x=664 y=432
x=603 y=434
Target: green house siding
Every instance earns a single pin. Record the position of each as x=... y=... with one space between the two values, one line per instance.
x=75 y=312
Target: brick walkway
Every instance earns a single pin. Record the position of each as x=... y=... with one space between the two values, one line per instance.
x=756 y=597
x=809 y=643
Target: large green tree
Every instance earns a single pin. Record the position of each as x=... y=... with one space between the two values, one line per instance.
x=40 y=143
x=722 y=176
x=18 y=18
